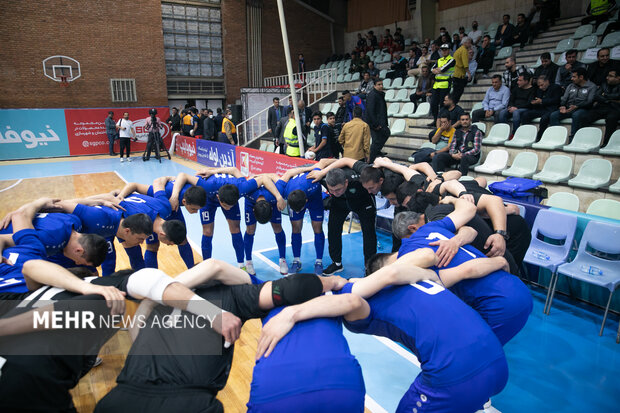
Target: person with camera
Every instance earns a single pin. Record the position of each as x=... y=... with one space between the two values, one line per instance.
x=153 y=123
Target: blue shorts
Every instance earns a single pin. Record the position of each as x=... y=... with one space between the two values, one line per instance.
x=207 y=214
x=250 y=218
x=466 y=397
x=314 y=206
x=332 y=400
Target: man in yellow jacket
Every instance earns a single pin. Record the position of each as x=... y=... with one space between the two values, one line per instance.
x=228 y=134
x=290 y=136
x=355 y=137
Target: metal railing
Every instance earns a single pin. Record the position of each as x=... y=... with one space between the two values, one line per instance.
x=315 y=85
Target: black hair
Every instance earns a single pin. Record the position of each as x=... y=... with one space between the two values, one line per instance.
x=345 y=92
x=335 y=177
x=580 y=71
x=371 y=174
x=487 y=36
x=376 y=262
x=506 y=15
x=330 y=114
x=195 y=195
x=110 y=113
x=544 y=77
x=421 y=200
x=366 y=73
x=228 y=194
x=138 y=224
x=464 y=114
x=450 y=96
x=80 y=272
x=276 y=98
x=407 y=188
x=526 y=76
x=497 y=77
x=175 y=231
x=570 y=51
x=297 y=200
x=209 y=111
x=546 y=56
x=262 y=211
x=95 y=248
x=317 y=113
x=521 y=15
x=357 y=112
x=390 y=184
x=601 y=49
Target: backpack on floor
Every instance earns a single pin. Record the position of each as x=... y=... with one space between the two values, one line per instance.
x=520 y=189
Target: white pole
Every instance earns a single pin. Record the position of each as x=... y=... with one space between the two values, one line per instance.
x=291 y=82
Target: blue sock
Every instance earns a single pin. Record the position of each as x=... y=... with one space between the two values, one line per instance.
x=281 y=241
x=296 y=244
x=319 y=244
x=207 y=247
x=135 y=257
x=150 y=259
x=186 y=253
x=248 y=243
x=237 y=240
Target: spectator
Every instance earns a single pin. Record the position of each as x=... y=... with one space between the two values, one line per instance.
x=399 y=40
x=341 y=114
x=441 y=137
x=280 y=128
x=461 y=69
x=485 y=56
x=229 y=131
x=301 y=63
x=398 y=66
x=208 y=126
x=361 y=42
x=126 y=133
x=174 y=121
x=456 y=42
x=443 y=71
x=111 y=131
x=607 y=104
x=513 y=71
x=323 y=134
x=424 y=90
x=186 y=122
x=597 y=71
x=412 y=61
x=546 y=100
x=355 y=137
x=197 y=130
x=475 y=35
x=452 y=111
x=352 y=102
x=427 y=42
x=422 y=62
x=563 y=77
x=219 y=118
x=446 y=39
x=519 y=103
x=495 y=99
x=504 y=33
x=373 y=71
x=435 y=55
x=366 y=85
x=376 y=114
x=334 y=146
x=599 y=11
x=442 y=32
x=547 y=67
x=473 y=66
x=305 y=116
x=577 y=99
x=464 y=150
x=290 y=136
x=521 y=31
x=360 y=63
x=372 y=40
x=274 y=114
x=462 y=32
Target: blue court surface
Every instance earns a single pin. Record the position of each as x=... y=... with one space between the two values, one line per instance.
x=558 y=363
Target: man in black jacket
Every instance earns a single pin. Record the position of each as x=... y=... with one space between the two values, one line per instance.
x=546 y=100
x=274 y=114
x=209 y=126
x=597 y=71
x=607 y=104
x=547 y=67
x=519 y=103
x=399 y=67
x=376 y=117
x=174 y=121
x=504 y=33
x=485 y=56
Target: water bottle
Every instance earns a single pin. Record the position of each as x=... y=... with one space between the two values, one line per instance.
x=541 y=255
x=592 y=270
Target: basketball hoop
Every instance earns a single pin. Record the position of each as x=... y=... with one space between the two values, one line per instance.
x=63 y=81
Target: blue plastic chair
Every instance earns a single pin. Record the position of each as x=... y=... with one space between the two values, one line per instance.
x=604 y=238
x=558 y=227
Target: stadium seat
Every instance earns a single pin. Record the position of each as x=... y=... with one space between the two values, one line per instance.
x=498 y=134
x=322 y=66
x=393 y=109
x=495 y=161
x=542 y=252
x=524 y=137
x=402 y=96
x=398 y=126
x=428 y=145
x=611 y=40
x=482 y=127
x=492 y=29
x=607 y=208
x=355 y=77
x=389 y=95
x=387 y=83
x=270 y=147
x=615 y=188
x=405 y=111
x=340 y=78
x=504 y=52
x=587 y=42
x=423 y=110
x=561 y=60
x=396 y=84
x=602 y=27
x=599 y=239
x=407 y=42
x=564 y=45
x=553 y=138
x=564 y=200
x=593 y=174
x=410 y=83
x=556 y=169
x=585 y=140
x=523 y=166
x=382 y=74
x=263 y=146
x=613 y=147
x=347 y=78
x=582 y=31
x=477 y=105
x=587 y=60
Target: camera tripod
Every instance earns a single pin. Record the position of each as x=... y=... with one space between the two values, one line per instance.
x=155 y=138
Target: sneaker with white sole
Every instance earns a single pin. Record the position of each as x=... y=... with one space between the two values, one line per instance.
x=122 y=160
x=98 y=362
x=295 y=267
x=283 y=266
x=332 y=269
x=128 y=159
x=249 y=268
x=318 y=268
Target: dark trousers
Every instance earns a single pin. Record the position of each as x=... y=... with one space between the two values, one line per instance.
x=338 y=212
x=417 y=98
x=611 y=117
x=224 y=139
x=437 y=100
x=125 y=143
x=444 y=160
x=579 y=119
x=458 y=87
x=519 y=237
x=111 y=138
x=479 y=115
x=154 y=143
x=529 y=115
x=379 y=137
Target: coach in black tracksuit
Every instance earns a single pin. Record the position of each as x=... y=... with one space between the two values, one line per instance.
x=376 y=117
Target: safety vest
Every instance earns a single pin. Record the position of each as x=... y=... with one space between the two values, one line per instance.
x=187 y=120
x=292 y=143
x=232 y=126
x=442 y=80
x=598 y=7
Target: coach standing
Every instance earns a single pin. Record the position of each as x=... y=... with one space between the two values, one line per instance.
x=111 y=131
x=376 y=117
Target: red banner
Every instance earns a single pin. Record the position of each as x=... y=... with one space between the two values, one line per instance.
x=86 y=130
x=253 y=161
x=186 y=147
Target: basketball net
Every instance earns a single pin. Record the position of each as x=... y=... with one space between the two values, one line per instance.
x=63 y=81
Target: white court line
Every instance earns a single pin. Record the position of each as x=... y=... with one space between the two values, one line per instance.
x=372 y=405
x=9 y=187
x=121 y=176
x=399 y=350
x=266 y=261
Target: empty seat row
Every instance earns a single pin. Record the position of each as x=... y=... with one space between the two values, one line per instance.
x=607 y=208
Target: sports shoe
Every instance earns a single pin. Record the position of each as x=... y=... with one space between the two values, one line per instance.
x=128 y=159
x=122 y=160
x=249 y=268
x=283 y=266
x=295 y=267
x=332 y=269
x=98 y=361
x=318 y=268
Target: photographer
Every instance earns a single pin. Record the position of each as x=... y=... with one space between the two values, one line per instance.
x=153 y=123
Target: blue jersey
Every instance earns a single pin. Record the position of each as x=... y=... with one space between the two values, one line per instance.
x=144 y=204
x=213 y=183
x=100 y=220
x=168 y=190
x=299 y=182
x=500 y=297
x=28 y=246
x=313 y=356
x=451 y=341
x=253 y=196
x=54 y=230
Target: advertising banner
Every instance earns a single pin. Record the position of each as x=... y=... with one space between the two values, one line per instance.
x=86 y=131
x=32 y=133
x=186 y=147
x=253 y=161
x=215 y=154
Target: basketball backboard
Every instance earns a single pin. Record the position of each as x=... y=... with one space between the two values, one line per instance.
x=61 y=68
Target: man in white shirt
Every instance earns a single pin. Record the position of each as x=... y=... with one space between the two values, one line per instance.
x=475 y=35
x=126 y=132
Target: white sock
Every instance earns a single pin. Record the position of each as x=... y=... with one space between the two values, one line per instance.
x=318 y=261
x=296 y=259
x=248 y=262
x=338 y=263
